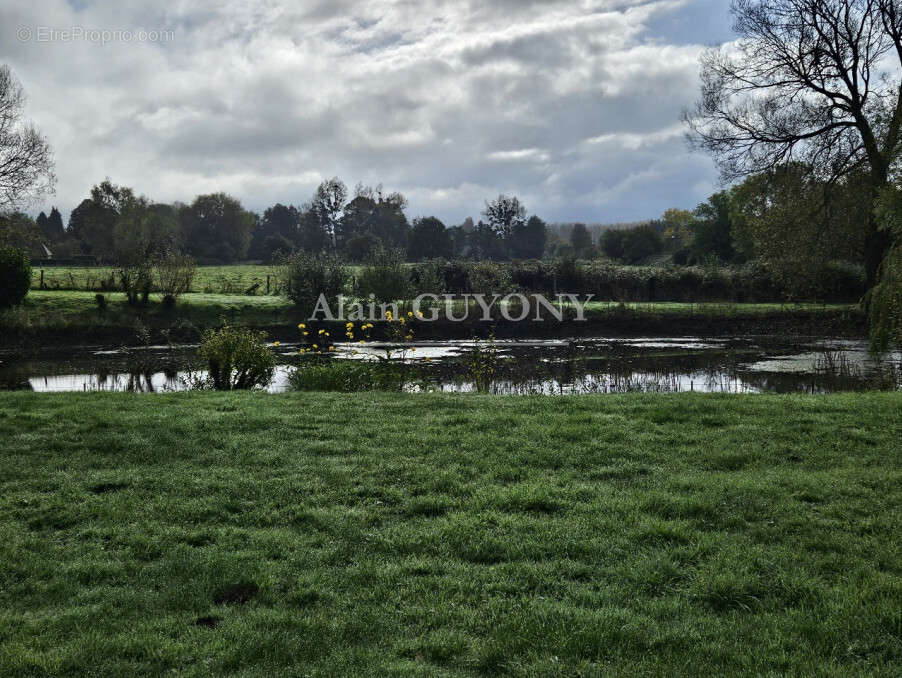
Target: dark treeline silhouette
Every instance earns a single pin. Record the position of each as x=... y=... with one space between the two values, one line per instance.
x=217 y=229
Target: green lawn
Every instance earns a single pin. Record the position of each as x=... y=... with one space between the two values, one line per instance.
x=208 y=279
x=256 y=535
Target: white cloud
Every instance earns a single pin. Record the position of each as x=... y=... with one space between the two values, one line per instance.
x=571 y=104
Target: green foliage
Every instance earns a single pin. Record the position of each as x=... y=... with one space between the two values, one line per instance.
x=15 y=276
x=237 y=359
x=384 y=276
x=348 y=376
x=489 y=277
x=429 y=239
x=308 y=275
x=581 y=240
x=217 y=228
x=885 y=304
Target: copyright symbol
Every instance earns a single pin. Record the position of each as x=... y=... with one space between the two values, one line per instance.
x=23 y=33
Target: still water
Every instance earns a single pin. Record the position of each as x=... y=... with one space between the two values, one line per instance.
x=599 y=365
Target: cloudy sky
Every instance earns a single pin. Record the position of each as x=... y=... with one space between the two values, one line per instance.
x=573 y=105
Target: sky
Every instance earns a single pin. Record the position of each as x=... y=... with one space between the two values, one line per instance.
x=572 y=105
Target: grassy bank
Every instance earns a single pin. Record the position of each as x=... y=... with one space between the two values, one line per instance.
x=54 y=317
x=201 y=534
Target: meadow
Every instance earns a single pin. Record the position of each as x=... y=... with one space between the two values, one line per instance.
x=428 y=535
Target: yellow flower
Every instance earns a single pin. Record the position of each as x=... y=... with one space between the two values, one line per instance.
x=388 y=315
x=315 y=346
x=302 y=326
x=420 y=313
x=410 y=314
x=414 y=349
x=428 y=360
x=305 y=334
x=361 y=341
x=331 y=348
x=322 y=331
x=275 y=344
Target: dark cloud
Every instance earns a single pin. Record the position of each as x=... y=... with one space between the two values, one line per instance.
x=572 y=104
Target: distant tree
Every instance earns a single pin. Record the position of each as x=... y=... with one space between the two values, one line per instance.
x=712 y=230
x=503 y=214
x=612 y=244
x=429 y=239
x=361 y=247
x=217 y=227
x=55 y=229
x=581 y=240
x=278 y=221
x=485 y=242
x=677 y=227
x=640 y=243
x=26 y=162
x=375 y=213
x=93 y=221
x=312 y=237
x=328 y=205
x=275 y=247
x=528 y=240
x=41 y=223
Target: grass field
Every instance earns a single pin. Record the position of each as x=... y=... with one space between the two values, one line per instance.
x=207 y=280
x=255 y=535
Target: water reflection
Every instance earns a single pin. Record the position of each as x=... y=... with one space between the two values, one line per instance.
x=549 y=367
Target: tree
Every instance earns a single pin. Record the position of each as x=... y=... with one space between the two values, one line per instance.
x=528 y=240
x=93 y=221
x=279 y=221
x=677 y=226
x=806 y=83
x=711 y=230
x=19 y=231
x=612 y=243
x=504 y=213
x=795 y=222
x=373 y=213
x=41 y=223
x=216 y=226
x=581 y=240
x=328 y=205
x=640 y=243
x=26 y=162
x=55 y=230
x=429 y=239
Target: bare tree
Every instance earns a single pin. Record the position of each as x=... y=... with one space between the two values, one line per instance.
x=815 y=81
x=26 y=162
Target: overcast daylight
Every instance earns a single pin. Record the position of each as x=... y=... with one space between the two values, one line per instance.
x=420 y=338
x=574 y=106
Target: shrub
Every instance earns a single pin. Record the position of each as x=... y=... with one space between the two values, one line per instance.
x=15 y=276
x=385 y=276
x=489 y=277
x=175 y=273
x=532 y=276
x=237 y=359
x=310 y=275
x=570 y=275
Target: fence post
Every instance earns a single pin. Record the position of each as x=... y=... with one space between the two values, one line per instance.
x=267 y=284
x=42 y=278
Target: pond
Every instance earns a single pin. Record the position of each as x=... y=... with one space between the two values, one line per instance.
x=597 y=365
